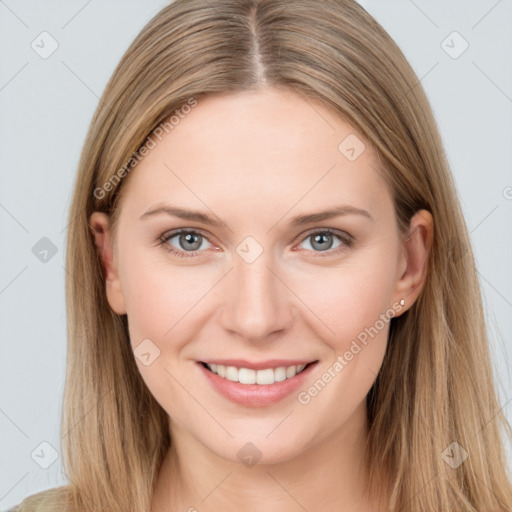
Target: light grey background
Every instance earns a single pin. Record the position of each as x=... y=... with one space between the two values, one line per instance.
x=47 y=104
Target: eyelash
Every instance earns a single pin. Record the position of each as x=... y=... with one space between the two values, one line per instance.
x=347 y=240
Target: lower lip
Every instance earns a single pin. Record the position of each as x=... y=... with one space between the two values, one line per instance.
x=256 y=395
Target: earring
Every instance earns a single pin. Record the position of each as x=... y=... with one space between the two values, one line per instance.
x=402 y=302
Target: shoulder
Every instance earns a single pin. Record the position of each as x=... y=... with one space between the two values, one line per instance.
x=50 y=500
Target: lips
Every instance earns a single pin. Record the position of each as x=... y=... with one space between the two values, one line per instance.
x=256 y=395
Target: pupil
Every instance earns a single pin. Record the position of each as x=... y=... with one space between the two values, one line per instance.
x=191 y=238
x=319 y=237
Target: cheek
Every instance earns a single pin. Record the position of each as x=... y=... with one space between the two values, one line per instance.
x=354 y=306
x=347 y=299
x=351 y=306
x=163 y=304
x=162 y=299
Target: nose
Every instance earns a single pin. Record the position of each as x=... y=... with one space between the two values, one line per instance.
x=258 y=304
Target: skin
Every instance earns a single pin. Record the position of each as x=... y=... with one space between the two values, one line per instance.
x=255 y=160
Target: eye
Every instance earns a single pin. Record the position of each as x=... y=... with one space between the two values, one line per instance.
x=322 y=241
x=189 y=241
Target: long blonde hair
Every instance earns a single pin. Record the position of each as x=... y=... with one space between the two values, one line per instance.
x=436 y=384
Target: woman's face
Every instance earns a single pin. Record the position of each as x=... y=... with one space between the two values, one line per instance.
x=253 y=284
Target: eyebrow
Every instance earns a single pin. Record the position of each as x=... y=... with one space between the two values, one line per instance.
x=299 y=220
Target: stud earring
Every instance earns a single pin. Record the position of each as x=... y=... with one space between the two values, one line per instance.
x=402 y=302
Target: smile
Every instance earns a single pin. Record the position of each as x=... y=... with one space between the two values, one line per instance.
x=263 y=386
x=263 y=377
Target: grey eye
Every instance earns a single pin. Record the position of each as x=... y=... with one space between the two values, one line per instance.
x=188 y=240
x=322 y=241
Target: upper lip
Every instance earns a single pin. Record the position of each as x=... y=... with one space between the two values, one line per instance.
x=261 y=365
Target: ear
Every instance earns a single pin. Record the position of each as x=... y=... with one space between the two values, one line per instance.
x=416 y=251
x=99 y=223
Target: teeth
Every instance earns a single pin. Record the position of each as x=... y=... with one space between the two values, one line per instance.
x=249 y=376
x=221 y=370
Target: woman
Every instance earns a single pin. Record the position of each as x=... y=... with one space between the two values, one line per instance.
x=249 y=369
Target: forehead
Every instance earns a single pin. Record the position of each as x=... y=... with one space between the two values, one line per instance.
x=246 y=150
